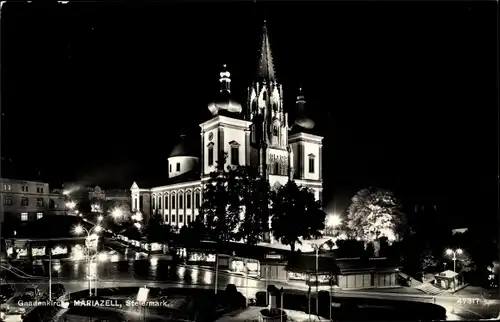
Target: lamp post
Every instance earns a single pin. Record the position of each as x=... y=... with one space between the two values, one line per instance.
x=453 y=254
x=317 y=248
x=90 y=234
x=50 y=273
x=246 y=282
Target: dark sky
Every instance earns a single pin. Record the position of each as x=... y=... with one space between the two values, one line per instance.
x=404 y=93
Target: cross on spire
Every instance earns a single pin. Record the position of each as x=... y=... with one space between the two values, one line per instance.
x=266 y=66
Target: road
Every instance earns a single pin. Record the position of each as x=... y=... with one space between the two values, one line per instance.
x=130 y=269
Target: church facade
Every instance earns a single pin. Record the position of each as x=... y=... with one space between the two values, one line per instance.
x=257 y=135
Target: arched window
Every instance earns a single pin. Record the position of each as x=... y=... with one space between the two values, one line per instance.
x=210 y=154
x=275 y=130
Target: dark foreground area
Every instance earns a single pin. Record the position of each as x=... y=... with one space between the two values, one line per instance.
x=360 y=309
x=119 y=304
x=181 y=304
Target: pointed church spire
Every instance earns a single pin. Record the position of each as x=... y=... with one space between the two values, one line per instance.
x=266 y=66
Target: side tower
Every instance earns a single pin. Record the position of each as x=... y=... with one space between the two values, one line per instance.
x=224 y=138
x=269 y=129
x=307 y=150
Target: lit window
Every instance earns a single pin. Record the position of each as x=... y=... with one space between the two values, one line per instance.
x=178 y=167
x=39 y=215
x=311 y=163
x=24 y=216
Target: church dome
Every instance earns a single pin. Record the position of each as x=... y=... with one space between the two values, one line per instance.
x=224 y=101
x=184 y=148
x=225 y=105
x=302 y=119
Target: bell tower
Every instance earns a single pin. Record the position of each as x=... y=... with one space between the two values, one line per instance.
x=269 y=128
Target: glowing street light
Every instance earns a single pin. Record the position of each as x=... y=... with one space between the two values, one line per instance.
x=100 y=218
x=70 y=205
x=117 y=213
x=333 y=221
x=91 y=235
x=453 y=254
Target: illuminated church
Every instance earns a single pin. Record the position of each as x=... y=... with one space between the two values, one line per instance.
x=257 y=134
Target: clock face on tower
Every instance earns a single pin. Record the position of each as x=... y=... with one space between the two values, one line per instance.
x=211 y=136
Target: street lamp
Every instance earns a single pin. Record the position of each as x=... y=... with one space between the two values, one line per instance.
x=453 y=254
x=90 y=236
x=333 y=221
x=317 y=248
x=117 y=213
x=100 y=218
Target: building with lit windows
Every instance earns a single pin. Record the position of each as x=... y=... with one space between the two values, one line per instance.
x=29 y=200
x=258 y=134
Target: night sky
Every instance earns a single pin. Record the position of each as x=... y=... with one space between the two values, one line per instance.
x=404 y=94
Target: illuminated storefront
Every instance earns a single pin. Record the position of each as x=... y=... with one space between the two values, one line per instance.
x=244 y=265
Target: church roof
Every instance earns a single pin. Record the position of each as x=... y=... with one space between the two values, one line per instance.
x=296 y=128
x=157 y=181
x=186 y=147
x=266 y=66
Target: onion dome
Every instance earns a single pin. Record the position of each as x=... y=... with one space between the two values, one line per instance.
x=185 y=148
x=224 y=101
x=302 y=119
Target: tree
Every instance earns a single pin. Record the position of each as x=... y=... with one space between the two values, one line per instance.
x=295 y=214
x=375 y=213
x=255 y=205
x=427 y=259
x=236 y=205
x=193 y=233
x=157 y=231
x=221 y=206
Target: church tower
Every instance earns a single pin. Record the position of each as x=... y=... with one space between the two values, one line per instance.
x=269 y=129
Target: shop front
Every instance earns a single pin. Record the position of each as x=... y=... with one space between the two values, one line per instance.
x=37 y=249
x=370 y=273
x=244 y=266
x=273 y=267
